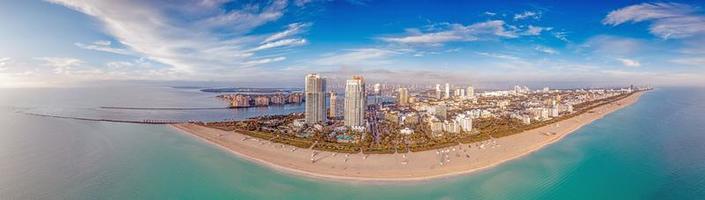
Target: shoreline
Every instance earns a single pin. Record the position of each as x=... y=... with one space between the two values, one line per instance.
x=412 y=166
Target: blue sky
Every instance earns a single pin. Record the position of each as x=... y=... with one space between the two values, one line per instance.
x=274 y=43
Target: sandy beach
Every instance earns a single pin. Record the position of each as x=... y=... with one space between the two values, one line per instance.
x=412 y=166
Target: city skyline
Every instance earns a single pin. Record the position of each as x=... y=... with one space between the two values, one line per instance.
x=274 y=43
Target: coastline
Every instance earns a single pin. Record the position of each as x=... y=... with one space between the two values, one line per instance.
x=412 y=166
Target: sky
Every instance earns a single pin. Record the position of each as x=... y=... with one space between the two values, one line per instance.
x=56 y=43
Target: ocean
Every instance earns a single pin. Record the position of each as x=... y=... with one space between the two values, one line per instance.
x=653 y=149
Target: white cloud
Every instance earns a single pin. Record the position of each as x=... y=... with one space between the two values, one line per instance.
x=291 y=30
x=103 y=45
x=527 y=14
x=488 y=13
x=301 y=3
x=248 y=18
x=356 y=56
x=140 y=63
x=561 y=36
x=500 y=56
x=439 y=37
x=613 y=45
x=212 y=3
x=4 y=61
x=535 y=30
x=280 y=43
x=102 y=42
x=646 y=11
x=60 y=61
x=457 y=32
x=62 y=65
x=205 y=39
x=119 y=64
x=265 y=60
x=668 y=20
x=547 y=50
x=629 y=62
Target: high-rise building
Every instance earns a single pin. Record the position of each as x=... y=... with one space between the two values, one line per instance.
x=554 y=111
x=436 y=126
x=261 y=101
x=447 y=91
x=377 y=93
x=240 y=101
x=451 y=126
x=355 y=102
x=459 y=93
x=315 y=99
x=470 y=92
x=377 y=89
x=403 y=96
x=295 y=98
x=438 y=91
x=277 y=99
x=465 y=122
x=333 y=103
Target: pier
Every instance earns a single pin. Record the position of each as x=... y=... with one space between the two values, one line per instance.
x=146 y=121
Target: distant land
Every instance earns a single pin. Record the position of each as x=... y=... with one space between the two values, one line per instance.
x=187 y=87
x=251 y=90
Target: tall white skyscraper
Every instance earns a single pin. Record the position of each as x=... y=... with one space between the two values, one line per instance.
x=355 y=102
x=470 y=92
x=315 y=99
x=447 y=91
x=438 y=91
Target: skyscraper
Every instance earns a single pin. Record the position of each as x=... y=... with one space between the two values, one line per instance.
x=470 y=92
x=438 y=91
x=355 y=102
x=377 y=89
x=447 y=91
x=377 y=93
x=315 y=99
x=333 y=104
x=403 y=97
x=517 y=89
x=465 y=122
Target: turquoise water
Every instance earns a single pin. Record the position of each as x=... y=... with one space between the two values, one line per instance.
x=654 y=149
